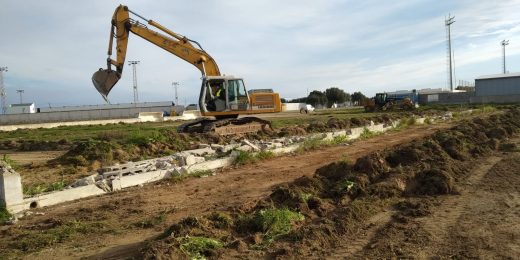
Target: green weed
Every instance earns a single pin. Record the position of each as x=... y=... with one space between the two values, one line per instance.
x=244 y=158
x=32 y=190
x=264 y=155
x=221 y=220
x=304 y=197
x=339 y=139
x=4 y=215
x=10 y=162
x=198 y=247
x=311 y=144
x=366 y=134
x=275 y=223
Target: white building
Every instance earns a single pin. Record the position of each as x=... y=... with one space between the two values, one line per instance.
x=24 y=108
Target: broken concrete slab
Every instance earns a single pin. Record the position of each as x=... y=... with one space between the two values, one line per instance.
x=253 y=146
x=245 y=148
x=138 y=179
x=199 y=152
x=212 y=165
x=11 y=192
x=54 y=198
x=192 y=159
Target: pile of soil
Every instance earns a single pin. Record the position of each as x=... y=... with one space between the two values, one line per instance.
x=341 y=196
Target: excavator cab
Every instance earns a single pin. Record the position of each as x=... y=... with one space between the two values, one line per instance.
x=222 y=95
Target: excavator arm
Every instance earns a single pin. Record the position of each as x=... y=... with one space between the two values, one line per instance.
x=180 y=46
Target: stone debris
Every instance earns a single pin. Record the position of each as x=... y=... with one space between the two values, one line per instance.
x=253 y=146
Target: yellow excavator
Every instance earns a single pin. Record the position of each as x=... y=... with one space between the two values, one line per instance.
x=222 y=97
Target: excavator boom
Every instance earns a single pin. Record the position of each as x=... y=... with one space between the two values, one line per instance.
x=224 y=97
x=181 y=46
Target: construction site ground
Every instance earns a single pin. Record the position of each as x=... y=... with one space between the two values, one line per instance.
x=480 y=222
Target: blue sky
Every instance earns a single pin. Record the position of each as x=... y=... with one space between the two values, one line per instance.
x=53 y=47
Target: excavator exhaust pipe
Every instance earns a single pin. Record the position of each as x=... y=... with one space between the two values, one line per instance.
x=104 y=81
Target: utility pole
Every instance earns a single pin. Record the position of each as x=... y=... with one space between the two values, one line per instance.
x=133 y=63
x=504 y=43
x=20 y=91
x=3 y=94
x=175 y=85
x=448 y=22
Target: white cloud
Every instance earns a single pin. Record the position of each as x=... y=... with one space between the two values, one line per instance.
x=53 y=47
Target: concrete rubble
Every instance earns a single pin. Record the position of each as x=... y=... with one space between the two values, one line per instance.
x=208 y=157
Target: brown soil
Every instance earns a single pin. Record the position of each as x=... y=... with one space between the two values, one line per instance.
x=392 y=210
x=119 y=212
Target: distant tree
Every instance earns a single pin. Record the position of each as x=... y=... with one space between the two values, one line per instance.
x=283 y=100
x=335 y=95
x=299 y=100
x=316 y=98
x=357 y=97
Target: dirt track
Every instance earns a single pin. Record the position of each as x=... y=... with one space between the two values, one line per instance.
x=119 y=212
x=481 y=222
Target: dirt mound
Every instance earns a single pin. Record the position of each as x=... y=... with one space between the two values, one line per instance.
x=341 y=197
x=292 y=131
x=433 y=182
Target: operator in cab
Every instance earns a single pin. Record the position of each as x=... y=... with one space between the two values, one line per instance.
x=219 y=102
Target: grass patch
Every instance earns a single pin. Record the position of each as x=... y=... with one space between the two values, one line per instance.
x=264 y=155
x=366 y=134
x=41 y=188
x=428 y=121
x=508 y=147
x=244 y=158
x=221 y=220
x=4 y=215
x=10 y=162
x=311 y=144
x=153 y=221
x=248 y=157
x=30 y=241
x=198 y=247
x=275 y=223
x=339 y=139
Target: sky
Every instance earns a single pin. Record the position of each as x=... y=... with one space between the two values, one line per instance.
x=52 y=48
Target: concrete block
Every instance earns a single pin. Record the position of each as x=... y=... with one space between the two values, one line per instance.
x=355 y=132
x=11 y=192
x=212 y=165
x=178 y=171
x=245 y=148
x=62 y=196
x=287 y=149
x=199 y=152
x=85 y=181
x=192 y=159
x=247 y=142
x=138 y=179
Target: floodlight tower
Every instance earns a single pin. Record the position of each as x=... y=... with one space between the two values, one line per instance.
x=448 y=22
x=175 y=85
x=20 y=91
x=504 y=43
x=3 y=94
x=133 y=63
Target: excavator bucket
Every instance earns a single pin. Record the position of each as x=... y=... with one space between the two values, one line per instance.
x=104 y=81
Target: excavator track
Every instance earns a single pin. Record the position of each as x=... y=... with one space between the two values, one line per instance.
x=230 y=126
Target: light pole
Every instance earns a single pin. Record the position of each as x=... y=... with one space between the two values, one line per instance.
x=133 y=63
x=175 y=85
x=448 y=22
x=504 y=43
x=20 y=91
x=3 y=94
